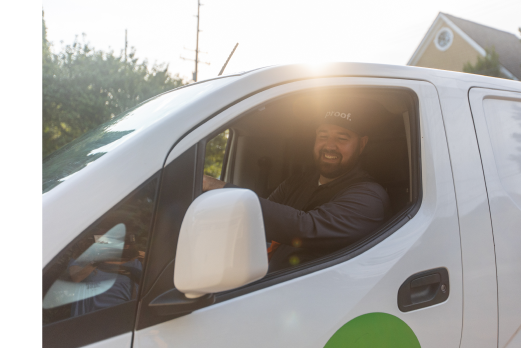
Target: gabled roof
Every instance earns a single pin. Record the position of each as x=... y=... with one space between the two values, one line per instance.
x=507 y=45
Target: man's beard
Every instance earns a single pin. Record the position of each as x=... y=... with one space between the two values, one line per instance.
x=334 y=170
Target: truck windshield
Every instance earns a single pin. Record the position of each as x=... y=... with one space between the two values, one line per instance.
x=76 y=155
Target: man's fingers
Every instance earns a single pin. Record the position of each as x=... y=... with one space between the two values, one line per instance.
x=210 y=183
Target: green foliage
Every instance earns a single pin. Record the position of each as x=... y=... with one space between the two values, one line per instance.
x=488 y=65
x=215 y=148
x=83 y=87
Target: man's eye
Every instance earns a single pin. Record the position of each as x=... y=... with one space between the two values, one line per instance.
x=343 y=139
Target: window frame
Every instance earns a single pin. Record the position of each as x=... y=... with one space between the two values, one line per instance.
x=227 y=152
x=438 y=34
x=501 y=206
x=225 y=121
x=345 y=254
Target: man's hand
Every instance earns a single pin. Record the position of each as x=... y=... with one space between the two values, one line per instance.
x=210 y=183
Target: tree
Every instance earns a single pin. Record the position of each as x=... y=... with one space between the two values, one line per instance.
x=215 y=148
x=488 y=65
x=83 y=87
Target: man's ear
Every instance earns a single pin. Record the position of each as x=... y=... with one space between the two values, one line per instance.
x=363 y=143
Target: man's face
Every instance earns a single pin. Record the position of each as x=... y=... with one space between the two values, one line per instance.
x=337 y=150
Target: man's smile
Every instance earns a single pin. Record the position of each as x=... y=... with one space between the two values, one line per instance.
x=330 y=156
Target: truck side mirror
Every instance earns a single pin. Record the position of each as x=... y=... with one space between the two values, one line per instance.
x=221 y=244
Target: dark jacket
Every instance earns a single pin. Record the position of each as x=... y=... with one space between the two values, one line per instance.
x=311 y=220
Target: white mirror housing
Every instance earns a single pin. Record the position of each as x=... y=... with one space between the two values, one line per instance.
x=222 y=244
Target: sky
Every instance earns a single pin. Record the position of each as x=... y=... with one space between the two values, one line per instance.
x=268 y=31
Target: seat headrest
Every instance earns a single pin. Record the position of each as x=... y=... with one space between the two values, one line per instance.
x=386 y=155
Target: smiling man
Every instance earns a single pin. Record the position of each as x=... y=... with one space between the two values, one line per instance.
x=314 y=213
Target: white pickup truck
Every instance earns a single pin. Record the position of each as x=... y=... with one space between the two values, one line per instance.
x=134 y=255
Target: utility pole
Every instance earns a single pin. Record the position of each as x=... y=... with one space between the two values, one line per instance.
x=197 y=41
x=195 y=73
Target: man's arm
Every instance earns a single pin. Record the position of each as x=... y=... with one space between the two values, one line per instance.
x=358 y=211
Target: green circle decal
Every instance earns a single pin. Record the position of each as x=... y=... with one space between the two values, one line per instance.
x=374 y=330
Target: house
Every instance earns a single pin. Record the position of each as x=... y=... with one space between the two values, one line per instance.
x=451 y=42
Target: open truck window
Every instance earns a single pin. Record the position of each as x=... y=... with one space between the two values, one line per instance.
x=275 y=141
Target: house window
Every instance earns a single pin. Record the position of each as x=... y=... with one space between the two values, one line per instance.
x=443 y=39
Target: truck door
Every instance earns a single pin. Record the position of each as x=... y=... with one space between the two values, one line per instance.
x=402 y=285
x=497 y=119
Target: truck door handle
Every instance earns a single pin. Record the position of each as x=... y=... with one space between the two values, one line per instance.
x=424 y=289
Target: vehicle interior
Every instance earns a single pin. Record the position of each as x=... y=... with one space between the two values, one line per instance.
x=275 y=141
